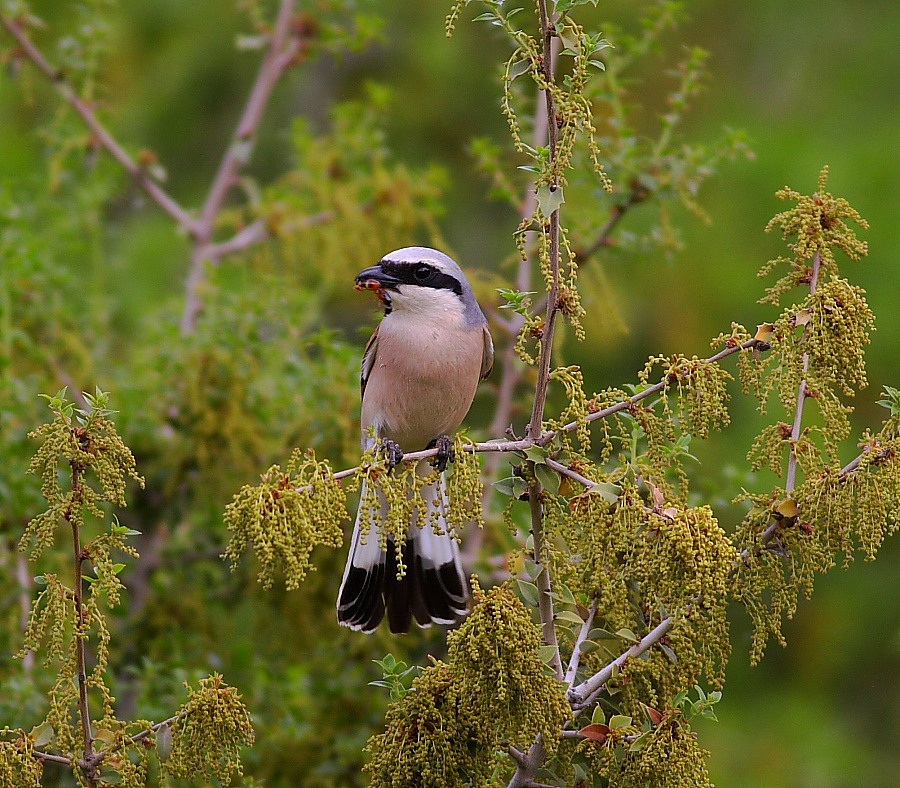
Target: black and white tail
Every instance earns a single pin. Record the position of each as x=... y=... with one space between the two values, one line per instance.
x=433 y=590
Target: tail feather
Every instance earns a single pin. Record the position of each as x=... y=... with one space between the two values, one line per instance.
x=434 y=588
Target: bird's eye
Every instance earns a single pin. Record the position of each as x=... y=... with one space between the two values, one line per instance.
x=422 y=272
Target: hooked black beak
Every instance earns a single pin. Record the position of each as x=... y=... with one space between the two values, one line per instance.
x=376 y=278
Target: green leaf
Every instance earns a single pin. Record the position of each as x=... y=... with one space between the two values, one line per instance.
x=598 y=717
x=513 y=486
x=607 y=490
x=550 y=198
x=548 y=478
x=589 y=646
x=639 y=743
x=670 y=653
x=547 y=654
x=619 y=721
x=627 y=634
x=43 y=734
x=537 y=454
x=518 y=68
x=569 y=616
x=528 y=592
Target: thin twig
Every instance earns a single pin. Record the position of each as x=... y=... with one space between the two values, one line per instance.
x=101 y=134
x=282 y=50
x=575 y=659
x=23 y=578
x=583 y=694
x=603 y=236
x=802 y=392
x=46 y=756
x=81 y=623
x=154 y=728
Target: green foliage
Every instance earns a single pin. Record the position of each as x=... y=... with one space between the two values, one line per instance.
x=495 y=657
x=286 y=517
x=81 y=445
x=85 y=439
x=209 y=732
x=18 y=766
x=817 y=353
x=430 y=739
x=668 y=755
x=493 y=689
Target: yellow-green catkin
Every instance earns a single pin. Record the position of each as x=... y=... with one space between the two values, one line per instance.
x=700 y=388
x=285 y=517
x=18 y=766
x=667 y=757
x=209 y=732
x=430 y=739
x=99 y=464
x=506 y=686
x=641 y=564
x=816 y=346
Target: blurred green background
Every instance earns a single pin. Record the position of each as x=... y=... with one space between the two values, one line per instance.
x=811 y=83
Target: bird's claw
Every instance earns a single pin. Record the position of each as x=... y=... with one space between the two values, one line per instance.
x=393 y=452
x=445 y=452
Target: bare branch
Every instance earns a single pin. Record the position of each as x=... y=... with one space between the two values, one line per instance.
x=584 y=693
x=140 y=176
x=46 y=756
x=802 y=393
x=283 y=47
x=575 y=659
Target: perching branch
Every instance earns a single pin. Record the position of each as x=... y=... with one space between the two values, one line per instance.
x=545 y=438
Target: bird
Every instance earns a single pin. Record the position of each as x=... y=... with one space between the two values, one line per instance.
x=420 y=372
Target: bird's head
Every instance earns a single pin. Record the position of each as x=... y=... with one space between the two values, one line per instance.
x=420 y=280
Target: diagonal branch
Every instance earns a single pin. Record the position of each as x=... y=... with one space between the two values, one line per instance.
x=583 y=694
x=102 y=135
x=283 y=48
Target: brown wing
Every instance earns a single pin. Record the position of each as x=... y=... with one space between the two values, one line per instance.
x=487 y=357
x=368 y=362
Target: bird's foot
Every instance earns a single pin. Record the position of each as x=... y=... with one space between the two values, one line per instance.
x=445 y=452
x=392 y=452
